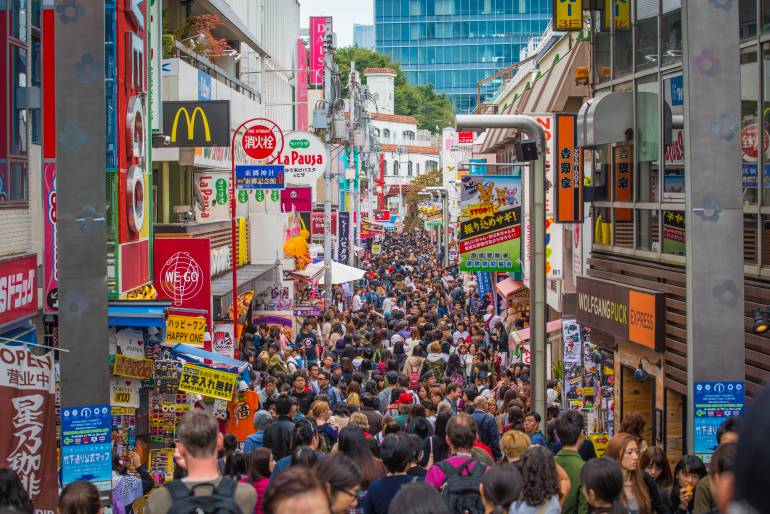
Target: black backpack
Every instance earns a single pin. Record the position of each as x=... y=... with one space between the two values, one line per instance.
x=461 y=492
x=220 y=501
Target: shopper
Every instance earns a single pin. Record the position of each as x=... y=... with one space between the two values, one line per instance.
x=260 y=465
x=418 y=498
x=398 y=453
x=13 y=495
x=540 y=483
x=687 y=473
x=640 y=494
x=500 y=488
x=343 y=481
x=298 y=490
x=80 y=497
x=603 y=485
x=569 y=429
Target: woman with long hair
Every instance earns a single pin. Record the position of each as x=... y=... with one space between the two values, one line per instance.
x=343 y=481
x=259 y=466
x=352 y=443
x=540 y=491
x=13 y=496
x=500 y=487
x=687 y=473
x=655 y=464
x=640 y=494
x=602 y=482
x=434 y=447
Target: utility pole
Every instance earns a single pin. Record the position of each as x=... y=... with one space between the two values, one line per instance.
x=329 y=100
x=355 y=223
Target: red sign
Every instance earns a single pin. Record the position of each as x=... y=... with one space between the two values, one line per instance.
x=465 y=138
x=183 y=272
x=302 y=78
x=317 y=223
x=382 y=215
x=28 y=429
x=50 y=241
x=18 y=289
x=569 y=171
x=298 y=198
x=263 y=141
x=317 y=48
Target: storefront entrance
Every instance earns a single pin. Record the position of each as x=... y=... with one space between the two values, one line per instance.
x=638 y=397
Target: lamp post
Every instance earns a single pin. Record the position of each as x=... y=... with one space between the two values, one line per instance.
x=444 y=197
x=537 y=251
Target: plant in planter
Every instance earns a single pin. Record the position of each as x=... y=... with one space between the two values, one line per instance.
x=195 y=33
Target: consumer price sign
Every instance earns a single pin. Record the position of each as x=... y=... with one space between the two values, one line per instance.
x=86 y=442
x=714 y=403
x=207 y=382
x=259 y=177
x=304 y=158
x=263 y=140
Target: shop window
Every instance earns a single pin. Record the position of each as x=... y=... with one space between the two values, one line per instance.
x=674 y=237
x=599 y=160
x=14 y=181
x=395 y=168
x=409 y=135
x=19 y=117
x=386 y=134
x=673 y=154
x=766 y=123
x=602 y=229
x=766 y=15
x=623 y=50
x=409 y=169
x=648 y=230
x=623 y=228
x=646 y=34
x=750 y=238
x=750 y=131
x=602 y=52
x=747 y=18
x=671 y=32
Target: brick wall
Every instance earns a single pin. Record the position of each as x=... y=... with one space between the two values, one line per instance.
x=16 y=230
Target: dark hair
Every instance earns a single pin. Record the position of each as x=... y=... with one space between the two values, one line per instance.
x=731 y=424
x=723 y=459
x=12 y=493
x=292 y=482
x=258 y=464
x=339 y=472
x=397 y=451
x=538 y=474
x=534 y=415
x=79 y=497
x=633 y=424
x=418 y=498
x=303 y=434
x=502 y=486
x=303 y=456
x=461 y=431
x=441 y=450
x=198 y=432
x=655 y=455
x=569 y=426
x=753 y=453
x=604 y=477
x=420 y=426
x=235 y=465
x=687 y=464
x=283 y=405
x=352 y=443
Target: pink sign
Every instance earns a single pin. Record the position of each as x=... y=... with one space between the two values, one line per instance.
x=299 y=198
x=50 y=243
x=317 y=48
x=302 y=113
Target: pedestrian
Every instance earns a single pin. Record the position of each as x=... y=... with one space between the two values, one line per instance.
x=540 y=490
x=130 y=481
x=352 y=443
x=278 y=434
x=640 y=494
x=298 y=490
x=634 y=424
x=13 y=495
x=722 y=476
x=397 y=453
x=687 y=473
x=514 y=443
x=262 y=419
x=197 y=440
x=305 y=434
x=260 y=465
x=487 y=427
x=500 y=488
x=532 y=429
x=602 y=486
x=80 y=497
x=655 y=464
x=418 y=498
x=343 y=481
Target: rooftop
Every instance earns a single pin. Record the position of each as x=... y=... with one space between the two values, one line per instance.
x=396 y=118
x=380 y=71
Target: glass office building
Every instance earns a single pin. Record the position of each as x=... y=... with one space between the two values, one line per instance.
x=453 y=44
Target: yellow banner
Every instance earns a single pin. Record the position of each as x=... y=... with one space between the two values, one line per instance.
x=122 y=411
x=208 y=382
x=600 y=441
x=568 y=15
x=621 y=9
x=185 y=329
x=132 y=367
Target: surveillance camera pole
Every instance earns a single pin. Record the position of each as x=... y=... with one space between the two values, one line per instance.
x=536 y=199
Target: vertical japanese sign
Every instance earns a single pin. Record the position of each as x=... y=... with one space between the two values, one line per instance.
x=28 y=434
x=714 y=403
x=183 y=272
x=86 y=442
x=317 y=48
x=302 y=79
x=569 y=171
x=624 y=162
x=343 y=237
x=568 y=15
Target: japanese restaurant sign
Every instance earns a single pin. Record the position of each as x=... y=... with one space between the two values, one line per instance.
x=637 y=315
x=207 y=382
x=624 y=162
x=569 y=171
x=28 y=429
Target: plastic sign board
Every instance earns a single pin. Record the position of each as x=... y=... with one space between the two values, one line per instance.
x=304 y=157
x=86 y=441
x=263 y=140
x=185 y=330
x=201 y=124
x=714 y=403
x=207 y=382
x=259 y=177
x=132 y=367
x=624 y=164
x=183 y=272
x=567 y=15
x=317 y=48
x=569 y=171
x=18 y=289
x=620 y=10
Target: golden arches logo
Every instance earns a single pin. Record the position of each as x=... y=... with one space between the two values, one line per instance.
x=190 y=123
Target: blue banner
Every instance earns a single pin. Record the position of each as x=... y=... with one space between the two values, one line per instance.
x=484 y=281
x=86 y=441
x=259 y=177
x=714 y=403
x=677 y=91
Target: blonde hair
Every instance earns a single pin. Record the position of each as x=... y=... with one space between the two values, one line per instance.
x=318 y=409
x=360 y=420
x=514 y=443
x=354 y=400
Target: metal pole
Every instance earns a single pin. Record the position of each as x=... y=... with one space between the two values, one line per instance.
x=537 y=251
x=445 y=197
x=351 y=231
x=329 y=98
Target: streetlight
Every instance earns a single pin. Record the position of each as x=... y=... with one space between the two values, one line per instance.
x=444 y=195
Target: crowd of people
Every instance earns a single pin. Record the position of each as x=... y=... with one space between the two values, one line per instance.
x=407 y=397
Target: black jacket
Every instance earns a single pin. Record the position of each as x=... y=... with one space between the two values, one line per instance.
x=658 y=505
x=278 y=437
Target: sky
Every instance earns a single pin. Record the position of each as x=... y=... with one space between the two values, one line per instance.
x=344 y=12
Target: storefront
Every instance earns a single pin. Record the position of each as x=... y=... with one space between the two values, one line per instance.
x=18 y=299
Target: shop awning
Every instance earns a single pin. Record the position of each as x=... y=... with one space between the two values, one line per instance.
x=18 y=334
x=341 y=273
x=509 y=286
x=252 y=277
x=194 y=351
x=387 y=225
x=523 y=334
x=137 y=313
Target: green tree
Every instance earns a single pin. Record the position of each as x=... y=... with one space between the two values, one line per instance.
x=432 y=111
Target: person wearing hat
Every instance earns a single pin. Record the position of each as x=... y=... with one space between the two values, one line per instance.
x=336 y=377
x=384 y=396
x=262 y=419
x=428 y=378
x=405 y=401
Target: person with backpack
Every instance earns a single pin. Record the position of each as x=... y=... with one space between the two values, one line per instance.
x=204 y=491
x=540 y=492
x=459 y=476
x=413 y=367
x=434 y=361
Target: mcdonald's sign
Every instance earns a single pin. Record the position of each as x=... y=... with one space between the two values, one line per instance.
x=190 y=124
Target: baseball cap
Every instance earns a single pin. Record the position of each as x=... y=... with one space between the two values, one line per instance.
x=405 y=399
x=261 y=419
x=427 y=376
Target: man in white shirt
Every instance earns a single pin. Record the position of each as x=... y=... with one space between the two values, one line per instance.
x=356 y=303
x=491 y=319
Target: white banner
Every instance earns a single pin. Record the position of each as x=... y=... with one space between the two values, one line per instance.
x=124 y=392
x=223 y=342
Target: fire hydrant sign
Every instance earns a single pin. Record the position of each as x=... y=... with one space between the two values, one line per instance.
x=185 y=330
x=263 y=140
x=207 y=382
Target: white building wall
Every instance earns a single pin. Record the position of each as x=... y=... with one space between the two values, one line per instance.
x=381 y=86
x=16 y=230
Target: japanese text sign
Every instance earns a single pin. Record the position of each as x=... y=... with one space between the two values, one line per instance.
x=343 y=237
x=569 y=171
x=624 y=163
x=28 y=428
x=207 y=382
x=185 y=329
x=18 y=288
x=259 y=177
x=714 y=403
x=567 y=15
x=132 y=367
x=305 y=158
x=86 y=441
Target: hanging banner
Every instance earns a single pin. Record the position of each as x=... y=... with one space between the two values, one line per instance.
x=343 y=237
x=125 y=393
x=624 y=162
x=304 y=158
x=207 y=382
x=223 y=342
x=484 y=281
x=50 y=243
x=490 y=223
x=132 y=367
x=185 y=330
x=317 y=48
x=183 y=272
x=569 y=171
x=28 y=432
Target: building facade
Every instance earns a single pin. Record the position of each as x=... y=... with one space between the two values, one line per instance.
x=453 y=44
x=363 y=36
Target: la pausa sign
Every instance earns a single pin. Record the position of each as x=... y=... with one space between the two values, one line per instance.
x=302 y=154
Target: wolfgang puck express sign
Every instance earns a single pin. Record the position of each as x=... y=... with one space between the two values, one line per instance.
x=637 y=315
